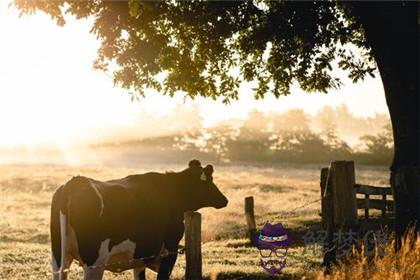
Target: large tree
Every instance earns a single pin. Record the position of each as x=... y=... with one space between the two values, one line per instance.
x=207 y=48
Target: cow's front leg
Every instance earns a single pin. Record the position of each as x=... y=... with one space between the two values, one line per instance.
x=93 y=273
x=167 y=264
x=139 y=273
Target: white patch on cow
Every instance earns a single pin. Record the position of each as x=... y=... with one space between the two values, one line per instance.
x=126 y=247
x=62 y=271
x=120 y=257
x=68 y=244
x=100 y=198
x=54 y=263
x=63 y=233
x=55 y=268
x=93 y=273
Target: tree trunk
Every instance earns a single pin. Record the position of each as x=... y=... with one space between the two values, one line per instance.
x=393 y=36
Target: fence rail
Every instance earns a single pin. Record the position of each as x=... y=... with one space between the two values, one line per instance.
x=366 y=189
x=368 y=203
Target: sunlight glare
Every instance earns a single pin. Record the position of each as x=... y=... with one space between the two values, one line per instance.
x=49 y=92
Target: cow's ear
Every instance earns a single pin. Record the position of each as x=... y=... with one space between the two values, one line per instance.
x=208 y=170
x=194 y=163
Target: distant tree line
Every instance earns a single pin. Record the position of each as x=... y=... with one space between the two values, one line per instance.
x=293 y=136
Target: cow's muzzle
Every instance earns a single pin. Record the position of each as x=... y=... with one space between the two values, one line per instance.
x=223 y=203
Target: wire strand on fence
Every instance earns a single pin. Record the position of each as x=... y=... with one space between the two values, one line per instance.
x=304 y=205
x=134 y=260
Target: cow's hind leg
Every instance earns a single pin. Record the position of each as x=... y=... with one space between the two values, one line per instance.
x=61 y=259
x=139 y=273
x=61 y=273
x=55 y=269
x=93 y=273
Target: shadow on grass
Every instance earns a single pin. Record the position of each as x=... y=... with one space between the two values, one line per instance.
x=252 y=276
x=265 y=188
x=246 y=244
x=39 y=239
x=298 y=233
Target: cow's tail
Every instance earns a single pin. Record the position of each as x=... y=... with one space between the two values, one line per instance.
x=58 y=231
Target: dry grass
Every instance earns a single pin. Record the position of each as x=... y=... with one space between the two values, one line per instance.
x=25 y=194
x=404 y=264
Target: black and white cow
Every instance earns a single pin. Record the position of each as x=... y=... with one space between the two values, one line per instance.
x=108 y=225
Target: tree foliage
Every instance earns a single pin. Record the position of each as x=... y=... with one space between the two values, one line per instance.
x=381 y=143
x=260 y=138
x=207 y=48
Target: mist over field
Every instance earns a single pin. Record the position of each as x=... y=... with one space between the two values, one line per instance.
x=116 y=117
x=293 y=136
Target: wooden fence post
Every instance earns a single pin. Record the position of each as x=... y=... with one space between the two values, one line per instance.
x=327 y=212
x=193 y=270
x=250 y=218
x=384 y=208
x=343 y=180
x=367 y=206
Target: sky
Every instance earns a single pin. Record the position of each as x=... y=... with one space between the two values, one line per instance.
x=50 y=93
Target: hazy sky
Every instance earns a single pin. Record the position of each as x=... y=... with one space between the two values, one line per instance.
x=50 y=93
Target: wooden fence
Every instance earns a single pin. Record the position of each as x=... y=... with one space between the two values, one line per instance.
x=193 y=270
x=339 y=202
x=368 y=203
x=192 y=221
x=339 y=205
x=344 y=190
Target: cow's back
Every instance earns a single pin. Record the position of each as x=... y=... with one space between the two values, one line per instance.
x=118 y=210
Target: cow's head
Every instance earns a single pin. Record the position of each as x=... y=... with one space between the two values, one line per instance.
x=201 y=191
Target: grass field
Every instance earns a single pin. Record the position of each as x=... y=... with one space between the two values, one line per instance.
x=279 y=191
